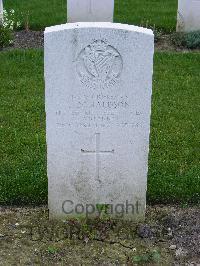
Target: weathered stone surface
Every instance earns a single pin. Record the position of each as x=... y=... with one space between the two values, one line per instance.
x=188 y=15
x=98 y=102
x=90 y=10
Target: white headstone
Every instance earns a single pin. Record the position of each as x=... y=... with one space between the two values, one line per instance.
x=98 y=103
x=188 y=15
x=90 y=10
x=1 y=11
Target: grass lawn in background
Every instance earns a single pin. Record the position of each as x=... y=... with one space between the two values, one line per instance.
x=174 y=163
x=22 y=132
x=42 y=13
x=158 y=13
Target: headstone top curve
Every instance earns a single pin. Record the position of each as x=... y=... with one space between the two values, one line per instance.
x=105 y=25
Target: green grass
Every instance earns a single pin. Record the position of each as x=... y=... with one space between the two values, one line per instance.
x=22 y=131
x=44 y=13
x=158 y=13
x=39 y=13
x=174 y=162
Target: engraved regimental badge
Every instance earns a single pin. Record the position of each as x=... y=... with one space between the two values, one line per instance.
x=99 y=65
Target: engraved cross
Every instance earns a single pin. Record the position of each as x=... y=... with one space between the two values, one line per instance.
x=97 y=152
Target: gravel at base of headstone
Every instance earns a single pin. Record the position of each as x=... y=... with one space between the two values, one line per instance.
x=98 y=103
